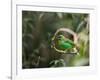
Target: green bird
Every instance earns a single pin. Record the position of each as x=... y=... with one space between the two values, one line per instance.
x=64 y=43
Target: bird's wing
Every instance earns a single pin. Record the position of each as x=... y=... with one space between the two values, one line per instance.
x=65 y=45
x=70 y=42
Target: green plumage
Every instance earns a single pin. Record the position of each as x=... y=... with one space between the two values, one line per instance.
x=65 y=43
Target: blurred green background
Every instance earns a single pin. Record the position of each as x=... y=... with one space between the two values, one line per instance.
x=38 y=28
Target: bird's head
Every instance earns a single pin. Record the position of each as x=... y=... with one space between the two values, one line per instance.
x=60 y=37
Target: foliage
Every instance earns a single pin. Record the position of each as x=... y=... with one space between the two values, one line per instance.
x=37 y=30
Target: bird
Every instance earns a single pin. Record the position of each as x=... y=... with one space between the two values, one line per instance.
x=64 y=43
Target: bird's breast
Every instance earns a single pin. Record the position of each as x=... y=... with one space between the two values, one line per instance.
x=64 y=45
